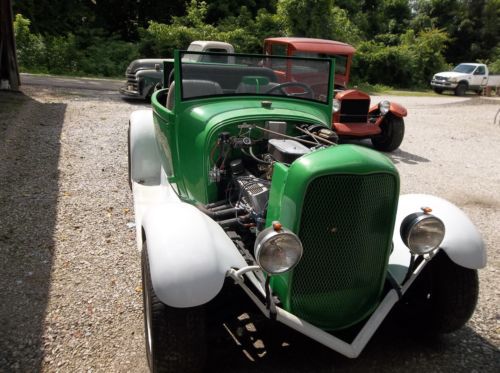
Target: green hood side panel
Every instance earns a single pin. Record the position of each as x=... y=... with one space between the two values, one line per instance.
x=342 y=203
x=193 y=132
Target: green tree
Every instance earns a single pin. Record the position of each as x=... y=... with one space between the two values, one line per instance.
x=316 y=19
x=55 y=17
x=312 y=18
x=30 y=47
x=473 y=26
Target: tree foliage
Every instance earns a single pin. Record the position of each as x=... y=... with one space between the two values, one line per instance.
x=99 y=56
x=399 y=42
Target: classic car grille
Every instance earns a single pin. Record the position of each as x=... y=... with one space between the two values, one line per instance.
x=131 y=80
x=354 y=111
x=346 y=231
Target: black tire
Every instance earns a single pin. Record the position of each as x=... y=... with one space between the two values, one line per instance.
x=393 y=131
x=175 y=337
x=438 y=90
x=461 y=89
x=442 y=299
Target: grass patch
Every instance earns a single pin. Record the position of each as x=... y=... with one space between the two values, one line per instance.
x=380 y=89
x=409 y=92
x=76 y=75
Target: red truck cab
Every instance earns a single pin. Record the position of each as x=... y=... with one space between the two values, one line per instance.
x=353 y=116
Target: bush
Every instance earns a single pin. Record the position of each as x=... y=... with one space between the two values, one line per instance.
x=30 y=48
x=407 y=61
x=71 y=54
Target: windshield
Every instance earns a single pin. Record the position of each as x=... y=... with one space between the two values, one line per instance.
x=464 y=68
x=237 y=75
x=340 y=60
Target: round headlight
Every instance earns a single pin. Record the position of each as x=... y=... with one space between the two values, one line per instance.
x=422 y=233
x=336 y=105
x=277 y=250
x=384 y=107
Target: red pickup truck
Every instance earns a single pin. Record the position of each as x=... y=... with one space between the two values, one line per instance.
x=353 y=116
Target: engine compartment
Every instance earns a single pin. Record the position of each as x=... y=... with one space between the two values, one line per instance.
x=242 y=164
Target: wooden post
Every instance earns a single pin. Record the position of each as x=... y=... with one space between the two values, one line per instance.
x=9 y=72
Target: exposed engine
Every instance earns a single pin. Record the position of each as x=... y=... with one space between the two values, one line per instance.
x=243 y=166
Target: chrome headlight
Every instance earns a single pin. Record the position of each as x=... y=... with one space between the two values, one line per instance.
x=336 y=105
x=422 y=232
x=277 y=249
x=384 y=107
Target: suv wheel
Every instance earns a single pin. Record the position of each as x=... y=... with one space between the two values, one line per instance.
x=460 y=90
x=175 y=337
x=393 y=131
x=443 y=297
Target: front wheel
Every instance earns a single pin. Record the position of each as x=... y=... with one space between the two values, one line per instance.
x=393 y=131
x=461 y=89
x=443 y=297
x=175 y=337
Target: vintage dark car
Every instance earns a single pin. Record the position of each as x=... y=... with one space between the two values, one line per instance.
x=144 y=75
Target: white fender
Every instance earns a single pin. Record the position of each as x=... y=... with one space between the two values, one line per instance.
x=189 y=254
x=144 y=159
x=462 y=241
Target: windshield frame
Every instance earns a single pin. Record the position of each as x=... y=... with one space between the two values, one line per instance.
x=180 y=60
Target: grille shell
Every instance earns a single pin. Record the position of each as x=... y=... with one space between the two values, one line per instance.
x=346 y=230
x=354 y=111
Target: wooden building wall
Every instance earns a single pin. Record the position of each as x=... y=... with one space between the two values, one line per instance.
x=9 y=72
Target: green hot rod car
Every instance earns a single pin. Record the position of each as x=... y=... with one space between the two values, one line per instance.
x=240 y=188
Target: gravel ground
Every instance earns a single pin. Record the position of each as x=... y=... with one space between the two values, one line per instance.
x=70 y=274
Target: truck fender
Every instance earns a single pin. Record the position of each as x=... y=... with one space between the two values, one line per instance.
x=189 y=254
x=398 y=110
x=147 y=81
x=144 y=159
x=394 y=108
x=462 y=241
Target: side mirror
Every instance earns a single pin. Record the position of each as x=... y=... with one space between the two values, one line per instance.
x=157 y=66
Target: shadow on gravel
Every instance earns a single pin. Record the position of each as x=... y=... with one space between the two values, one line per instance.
x=397 y=156
x=400 y=156
x=29 y=153
x=271 y=347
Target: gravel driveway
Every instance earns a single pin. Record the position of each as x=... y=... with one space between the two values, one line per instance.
x=69 y=270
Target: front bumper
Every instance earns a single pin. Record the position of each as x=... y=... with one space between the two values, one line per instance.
x=129 y=92
x=443 y=84
x=350 y=350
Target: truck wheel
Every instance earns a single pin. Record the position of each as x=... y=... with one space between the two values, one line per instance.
x=393 y=131
x=460 y=90
x=443 y=298
x=175 y=337
x=438 y=90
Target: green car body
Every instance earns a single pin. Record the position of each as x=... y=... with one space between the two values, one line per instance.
x=233 y=151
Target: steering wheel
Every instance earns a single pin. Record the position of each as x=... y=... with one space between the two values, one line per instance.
x=308 y=92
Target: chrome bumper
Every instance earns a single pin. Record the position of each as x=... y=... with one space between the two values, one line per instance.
x=443 y=84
